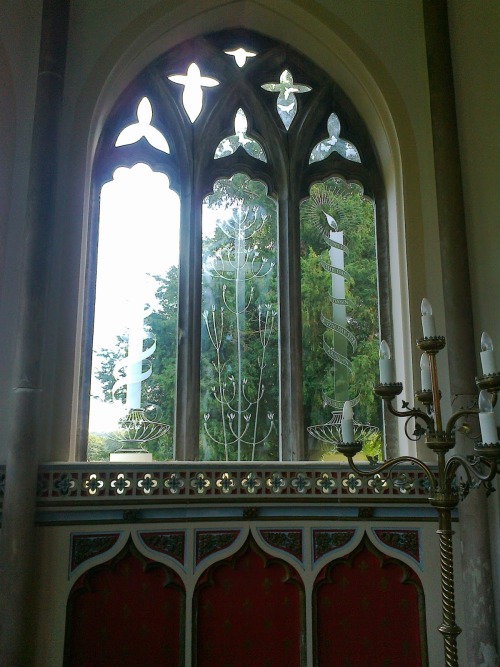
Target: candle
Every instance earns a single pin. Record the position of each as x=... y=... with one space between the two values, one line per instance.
x=347 y=423
x=489 y=433
x=428 y=324
x=385 y=364
x=487 y=355
x=425 y=373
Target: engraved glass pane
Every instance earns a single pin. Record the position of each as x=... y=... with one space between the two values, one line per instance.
x=339 y=314
x=334 y=143
x=240 y=138
x=134 y=342
x=286 y=104
x=239 y=336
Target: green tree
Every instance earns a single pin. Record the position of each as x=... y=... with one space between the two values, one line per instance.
x=100 y=445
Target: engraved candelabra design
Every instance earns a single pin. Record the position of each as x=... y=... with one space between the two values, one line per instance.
x=446 y=489
x=340 y=337
x=138 y=428
x=130 y=372
x=239 y=402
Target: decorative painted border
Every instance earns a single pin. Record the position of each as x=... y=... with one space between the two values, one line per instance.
x=406 y=540
x=209 y=542
x=84 y=546
x=291 y=541
x=324 y=541
x=70 y=483
x=171 y=543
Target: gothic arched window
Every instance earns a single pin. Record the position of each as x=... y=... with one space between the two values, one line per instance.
x=236 y=197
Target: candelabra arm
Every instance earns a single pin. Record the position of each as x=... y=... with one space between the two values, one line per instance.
x=456 y=462
x=411 y=412
x=450 y=425
x=385 y=465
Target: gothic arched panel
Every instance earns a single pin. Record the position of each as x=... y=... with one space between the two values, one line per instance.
x=249 y=611
x=369 y=610
x=128 y=611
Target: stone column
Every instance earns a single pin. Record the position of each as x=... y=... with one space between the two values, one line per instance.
x=17 y=547
x=479 y=630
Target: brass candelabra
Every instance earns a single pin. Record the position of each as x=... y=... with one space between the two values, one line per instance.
x=445 y=488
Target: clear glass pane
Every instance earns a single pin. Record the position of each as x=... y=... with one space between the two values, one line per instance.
x=239 y=336
x=339 y=314
x=134 y=343
x=143 y=129
x=334 y=143
x=286 y=103
x=194 y=83
x=230 y=144
x=241 y=55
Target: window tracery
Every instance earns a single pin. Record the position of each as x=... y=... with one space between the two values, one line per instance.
x=241 y=165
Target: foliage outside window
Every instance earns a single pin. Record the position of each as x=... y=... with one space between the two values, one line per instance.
x=236 y=291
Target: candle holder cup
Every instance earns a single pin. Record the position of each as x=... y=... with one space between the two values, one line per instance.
x=349 y=449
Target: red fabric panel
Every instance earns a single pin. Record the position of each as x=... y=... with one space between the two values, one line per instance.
x=366 y=615
x=249 y=614
x=124 y=614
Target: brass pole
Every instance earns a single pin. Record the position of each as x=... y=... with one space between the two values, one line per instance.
x=449 y=629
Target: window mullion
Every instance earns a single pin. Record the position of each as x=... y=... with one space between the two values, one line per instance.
x=291 y=409
x=187 y=406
